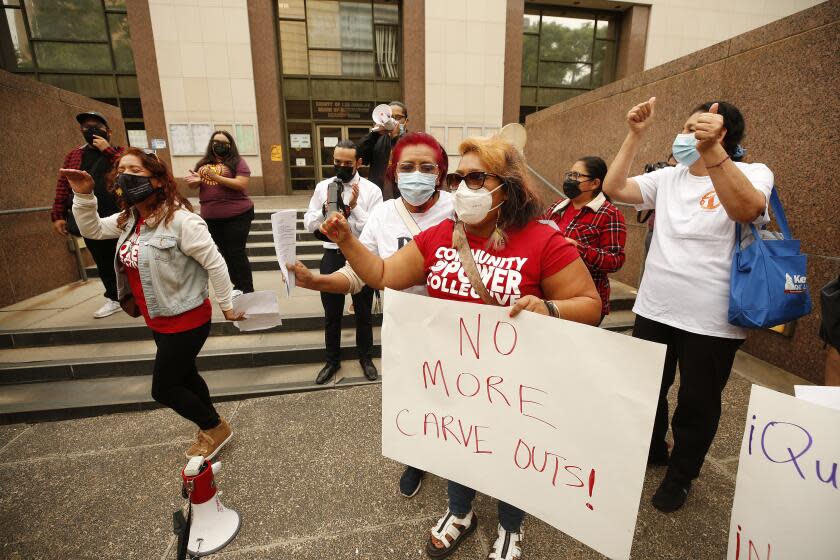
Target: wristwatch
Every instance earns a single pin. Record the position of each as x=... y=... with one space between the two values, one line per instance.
x=552 y=308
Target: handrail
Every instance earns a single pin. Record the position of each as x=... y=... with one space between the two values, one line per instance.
x=24 y=210
x=558 y=191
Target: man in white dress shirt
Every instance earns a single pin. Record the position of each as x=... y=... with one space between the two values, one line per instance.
x=359 y=197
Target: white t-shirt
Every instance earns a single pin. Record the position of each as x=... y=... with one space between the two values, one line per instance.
x=687 y=271
x=385 y=232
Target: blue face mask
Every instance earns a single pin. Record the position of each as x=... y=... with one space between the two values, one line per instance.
x=685 y=149
x=416 y=188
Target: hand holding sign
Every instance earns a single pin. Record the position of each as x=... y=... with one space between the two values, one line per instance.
x=709 y=129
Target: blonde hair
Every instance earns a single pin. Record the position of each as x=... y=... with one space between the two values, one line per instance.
x=502 y=158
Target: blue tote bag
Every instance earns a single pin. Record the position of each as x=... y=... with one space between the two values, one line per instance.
x=769 y=284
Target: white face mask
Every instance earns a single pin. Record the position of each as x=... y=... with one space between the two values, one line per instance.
x=472 y=206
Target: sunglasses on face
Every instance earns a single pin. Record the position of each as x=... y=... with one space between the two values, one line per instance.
x=473 y=179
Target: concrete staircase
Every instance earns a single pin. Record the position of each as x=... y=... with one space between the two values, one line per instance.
x=58 y=362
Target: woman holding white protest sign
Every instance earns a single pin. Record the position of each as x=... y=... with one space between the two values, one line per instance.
x=683 y=299
x=418 y=168
x=527 y=266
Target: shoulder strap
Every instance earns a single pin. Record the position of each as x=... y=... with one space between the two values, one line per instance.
x=779 y=213
x=406 y=216
x=459 y=241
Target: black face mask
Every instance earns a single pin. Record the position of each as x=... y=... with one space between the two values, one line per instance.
x=92 y=131
x=221 y=149
x=133 y=188
x=571 y=188
x=344 y=173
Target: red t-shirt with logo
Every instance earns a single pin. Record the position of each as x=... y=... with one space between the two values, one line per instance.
x=530 y=254
x=192 y=319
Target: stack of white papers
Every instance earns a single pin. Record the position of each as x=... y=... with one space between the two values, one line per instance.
x=284 y=229
x=262 y=311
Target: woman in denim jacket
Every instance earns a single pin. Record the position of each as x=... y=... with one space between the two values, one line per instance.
x=165 y=256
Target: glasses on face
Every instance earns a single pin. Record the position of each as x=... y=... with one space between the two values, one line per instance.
x=221 y=142
x=574 y=176
x=473 y=179
x=399 y=118
x=411 y=167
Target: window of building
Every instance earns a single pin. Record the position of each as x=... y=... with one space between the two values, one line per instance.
x=339 y=59
x=565 y=52
x=79 y=45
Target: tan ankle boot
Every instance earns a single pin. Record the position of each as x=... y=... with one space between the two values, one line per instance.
x=218 y=437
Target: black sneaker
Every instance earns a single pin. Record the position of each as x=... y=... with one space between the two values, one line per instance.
x=670 y=496
x=410 y=482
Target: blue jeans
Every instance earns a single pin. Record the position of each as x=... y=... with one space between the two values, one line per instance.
x=460 y=504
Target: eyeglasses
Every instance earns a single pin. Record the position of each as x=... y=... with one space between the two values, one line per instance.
x=574 y=176
x=223 y=143
x=411 y=167
x=473 y=179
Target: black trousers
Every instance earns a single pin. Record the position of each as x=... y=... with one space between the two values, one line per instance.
x=103 y=251
x=334 y=310
x=231 y=235
x=175 y=380
x=705 y=364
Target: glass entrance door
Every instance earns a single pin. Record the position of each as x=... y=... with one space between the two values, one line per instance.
x=327 y=137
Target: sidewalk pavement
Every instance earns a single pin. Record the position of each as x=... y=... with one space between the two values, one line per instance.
x=306 y=474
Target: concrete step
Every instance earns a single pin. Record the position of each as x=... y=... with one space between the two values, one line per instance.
x=120 y=359
x=59 y=400
x=265 y=225
x=262 y=249
x=268 y=262
x=266 y=237
x=62 y=336
x=266 y=214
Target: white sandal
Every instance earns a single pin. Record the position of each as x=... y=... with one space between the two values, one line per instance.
x=506 y=546
x=445 y=531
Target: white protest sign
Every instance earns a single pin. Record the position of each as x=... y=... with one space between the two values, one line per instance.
x=817 y=394
x=284 y=232
x=551 y=416
x=787 y=502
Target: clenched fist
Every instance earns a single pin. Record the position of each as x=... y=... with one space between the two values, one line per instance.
x=640 y=116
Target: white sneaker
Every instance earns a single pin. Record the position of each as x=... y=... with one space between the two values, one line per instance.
x=506 y=546
x=108 y=308
x=235 y=293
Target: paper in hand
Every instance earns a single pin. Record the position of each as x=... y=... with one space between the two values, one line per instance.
x=262 y=311
x=283 y=229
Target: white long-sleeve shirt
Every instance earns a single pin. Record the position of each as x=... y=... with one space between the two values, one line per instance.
x=369 y=197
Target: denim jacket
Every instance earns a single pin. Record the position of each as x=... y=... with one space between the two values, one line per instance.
x=175 y=259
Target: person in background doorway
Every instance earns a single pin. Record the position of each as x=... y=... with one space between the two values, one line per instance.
x=97 y=157
x=591 y=223
x=359 y=198
x=165 y=258
x=375 y=150
x=683 y=299
x=221 y=177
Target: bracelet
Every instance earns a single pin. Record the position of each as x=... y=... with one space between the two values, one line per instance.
x=552 y=308
x=718 y=164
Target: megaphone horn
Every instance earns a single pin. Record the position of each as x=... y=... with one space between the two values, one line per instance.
x=213 y=526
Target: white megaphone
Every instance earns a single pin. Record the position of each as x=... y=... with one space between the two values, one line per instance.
x=213 y=526
x=516 y=134
x=382 y=117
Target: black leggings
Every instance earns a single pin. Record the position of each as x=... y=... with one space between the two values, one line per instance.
x=231 y=236
x=176 y=382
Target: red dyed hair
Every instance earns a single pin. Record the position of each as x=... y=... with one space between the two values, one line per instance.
x=415 y=139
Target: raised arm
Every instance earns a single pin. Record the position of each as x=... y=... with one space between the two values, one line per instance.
x=616 y=183
x=739 y=198
x=84 y=207
x=401 y=270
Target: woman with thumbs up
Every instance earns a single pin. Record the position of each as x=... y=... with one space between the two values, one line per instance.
x=683 y=299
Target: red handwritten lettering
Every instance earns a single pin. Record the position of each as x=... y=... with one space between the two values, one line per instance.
x=496 y=338
x=398 y=423
x=522 y=402
x=492 y=385
x=428 y=374
x=477 y=384
x=426 y=423
x=476 y=346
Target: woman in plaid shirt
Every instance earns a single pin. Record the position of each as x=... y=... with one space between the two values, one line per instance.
x=591 y=223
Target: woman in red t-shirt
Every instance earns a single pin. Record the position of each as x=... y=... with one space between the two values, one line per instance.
x=222 y=178
x=523 y=264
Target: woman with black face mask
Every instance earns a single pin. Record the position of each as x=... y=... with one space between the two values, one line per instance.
x=222 y=179
x=590 y=222
x=164 y=260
